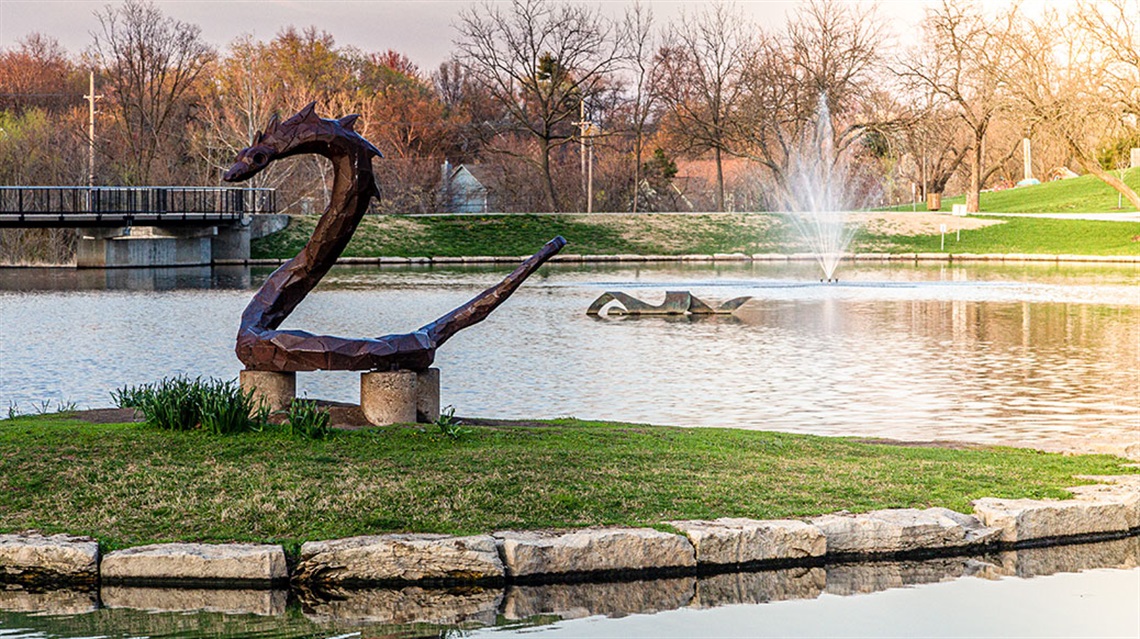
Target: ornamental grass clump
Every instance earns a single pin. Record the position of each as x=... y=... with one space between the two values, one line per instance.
x=182 y=404
x=171 y=404
x=306 y=420
x=227 y=410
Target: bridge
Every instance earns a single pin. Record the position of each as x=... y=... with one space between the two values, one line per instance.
x=142 y=226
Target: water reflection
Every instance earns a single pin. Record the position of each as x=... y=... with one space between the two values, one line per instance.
x=124 y=279
x=1036 y=355
x=417 y=611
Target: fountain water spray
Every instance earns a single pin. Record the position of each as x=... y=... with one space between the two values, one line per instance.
x=818 y=199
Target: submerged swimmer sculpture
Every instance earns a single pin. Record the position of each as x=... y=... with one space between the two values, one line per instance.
x=260 y=345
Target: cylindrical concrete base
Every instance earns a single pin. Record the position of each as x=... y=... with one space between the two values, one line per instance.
x=427 y=396
x=388 y=397
x=273 y=389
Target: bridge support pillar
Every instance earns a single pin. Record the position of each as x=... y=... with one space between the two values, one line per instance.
x=149 y=246
x=231 y=242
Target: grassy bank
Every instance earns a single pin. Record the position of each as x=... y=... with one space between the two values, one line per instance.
x=127 y=484
x=1084 y=194
x=653 y=234
x=1020 y=235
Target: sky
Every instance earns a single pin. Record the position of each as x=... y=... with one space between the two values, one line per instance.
x=422 y=30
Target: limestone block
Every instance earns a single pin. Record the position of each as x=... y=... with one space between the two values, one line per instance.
x=593 y=549
x=400 y=558
x=388 y=397
x=1024 y=519
x=230 y=601
x=274 y=390
x=740 y=541
x=760 y=587
x=196 y=562
x=902 y=530
x=443 y=606
x=33 y=557
x=588 y=599
x=1122 y=488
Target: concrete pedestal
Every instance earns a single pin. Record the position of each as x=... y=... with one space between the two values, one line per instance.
x=275 y=390
x=400 y=397
x=427 y=396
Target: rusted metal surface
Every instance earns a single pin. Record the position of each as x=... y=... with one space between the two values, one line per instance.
x=260 y=346
x=676 y=303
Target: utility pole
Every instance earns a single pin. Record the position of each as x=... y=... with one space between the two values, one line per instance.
x=91 y=98
x=590 y=177
x=585 y=127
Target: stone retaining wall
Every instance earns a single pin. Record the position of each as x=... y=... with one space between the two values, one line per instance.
x=1108 y=508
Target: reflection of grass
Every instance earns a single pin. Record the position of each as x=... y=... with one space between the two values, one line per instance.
x=128 y=484
x=1023 y=235
x=1085 y=194
x=517 y=235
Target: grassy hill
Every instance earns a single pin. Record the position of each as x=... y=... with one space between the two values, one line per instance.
x=1085 y=194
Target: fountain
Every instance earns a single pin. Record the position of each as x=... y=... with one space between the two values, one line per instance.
x=818 y=200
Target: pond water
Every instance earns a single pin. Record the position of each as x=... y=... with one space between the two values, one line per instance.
x=1087 y=590
x=1032 y=354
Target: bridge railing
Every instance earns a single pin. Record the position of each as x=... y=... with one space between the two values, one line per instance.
x=55 y=205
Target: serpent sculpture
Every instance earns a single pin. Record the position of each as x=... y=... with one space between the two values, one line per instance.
x=260 y=345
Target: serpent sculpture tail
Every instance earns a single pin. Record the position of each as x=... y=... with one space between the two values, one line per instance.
x=260 y=346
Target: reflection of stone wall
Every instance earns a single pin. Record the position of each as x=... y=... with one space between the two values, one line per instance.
x=230 y=601
x=760 y=587
x=1040 y=562
x=406 y=605
x=612 y=599
x=64 y=601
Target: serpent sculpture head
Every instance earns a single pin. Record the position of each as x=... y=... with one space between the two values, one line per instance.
x=305 y=132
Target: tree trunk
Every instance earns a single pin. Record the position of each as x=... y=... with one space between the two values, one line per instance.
x=547 y=180
x=933 y=201
x=974 y=194
x=719 y=181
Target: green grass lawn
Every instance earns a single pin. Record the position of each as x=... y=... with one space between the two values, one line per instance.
x=1084 y=194
x=127 y=484
x=515 y=235
x=1019 y=235
x=601 y=234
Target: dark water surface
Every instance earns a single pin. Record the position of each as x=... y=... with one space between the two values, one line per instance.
x=1087 y=590
x=1036 y=355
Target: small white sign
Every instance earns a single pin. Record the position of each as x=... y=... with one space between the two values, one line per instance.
x=942 y=228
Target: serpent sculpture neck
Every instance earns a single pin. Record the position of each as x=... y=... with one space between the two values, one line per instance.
x=260 y=346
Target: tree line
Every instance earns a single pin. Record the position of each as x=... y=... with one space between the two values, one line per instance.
x=557 y=103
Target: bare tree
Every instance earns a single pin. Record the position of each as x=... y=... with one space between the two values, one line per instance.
x=962 y=61
x=699 y=76
x=152 y=63
x=538 y=60
x=641 y=43
x=826 y=65
x=1113 y=26
x=1066 y=84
